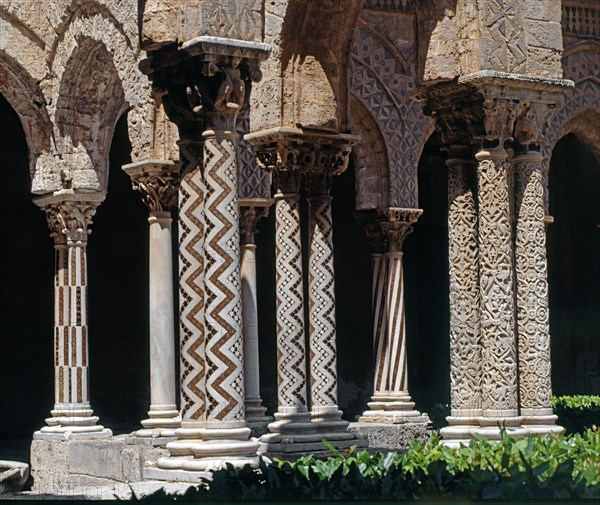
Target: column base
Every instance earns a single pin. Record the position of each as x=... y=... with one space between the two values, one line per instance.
x=493 y=421
x=72 y=422
x=461 y=425
x=540 y=421
x=159 y=428
x=396 y=408
x=62 y=433
x=256 y=419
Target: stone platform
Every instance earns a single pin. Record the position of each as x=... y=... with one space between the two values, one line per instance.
x=391 y=436
x=60 y=466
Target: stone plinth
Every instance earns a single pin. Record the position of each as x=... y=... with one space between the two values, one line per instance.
x=391 y=436
x=59 y=466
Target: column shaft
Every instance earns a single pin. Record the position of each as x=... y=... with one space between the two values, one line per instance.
x=463 y=256
x=379 y=301
x=498 y=344
x=532 y=296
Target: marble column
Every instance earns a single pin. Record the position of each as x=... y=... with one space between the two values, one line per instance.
x=251 y=211
x=465 y=349
x=391 y=402
x=69 y=216
x=531 y=270
x=499 y=395
x=205 y=83
x=157 y=182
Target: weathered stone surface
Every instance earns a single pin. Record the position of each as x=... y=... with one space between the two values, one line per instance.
x=391 y=436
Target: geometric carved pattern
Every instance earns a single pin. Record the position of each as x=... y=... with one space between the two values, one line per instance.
x=382 y=79
x=224 y=384
x=499 y=370
x=532 y=285
x=323 y=372
x=581 y=21
x=465 y=350
x=192 y=230
x=389 y=5
x=291 y=347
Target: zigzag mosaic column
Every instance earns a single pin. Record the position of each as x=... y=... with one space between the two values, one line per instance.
x=156 y=181
x=69 y=215
x=251 y=211
x=465 y=349
x=531 y=270
x=498 y=343
x=204 y=86
x=391 y=402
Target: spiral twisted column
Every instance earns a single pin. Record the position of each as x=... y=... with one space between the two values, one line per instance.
x=69 y=215
x=465 y=349
x=157 y=182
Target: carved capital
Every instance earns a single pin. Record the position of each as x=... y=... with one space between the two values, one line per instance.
x=206 y=81
x=532 y=124
x=157 y=181
x=499 y=119
x=69 y=215
x=387 y=228
x=251 y=212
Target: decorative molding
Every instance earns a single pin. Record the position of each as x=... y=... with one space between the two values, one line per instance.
x=582 y=21
x=157 y=181
x=390 y=5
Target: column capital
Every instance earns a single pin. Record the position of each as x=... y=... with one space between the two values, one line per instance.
x=157 y=181
x=297 y=149
x=252 y=210
x=387 y=228
x=206 y=81
x=69 y=215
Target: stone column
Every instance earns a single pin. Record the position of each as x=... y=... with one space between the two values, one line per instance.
x=205 y=83
x=251 y=211
x=156 y=180
x=531 y=269
x=69 y=215
x=499 y=394
x=391 y=402
x=465 y=349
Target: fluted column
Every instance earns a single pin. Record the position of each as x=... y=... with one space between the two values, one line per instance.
x=499 y=394
x=391 y=402
x=69 y=215
x=465 y=349
x=156 y=181
x=531 y=270
x=251 y=211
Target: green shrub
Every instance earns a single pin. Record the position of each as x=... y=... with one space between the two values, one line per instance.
x=535 y=467
x=577 y=413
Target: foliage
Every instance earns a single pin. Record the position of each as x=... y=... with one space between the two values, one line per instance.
x=577 y=413
x=534 y=467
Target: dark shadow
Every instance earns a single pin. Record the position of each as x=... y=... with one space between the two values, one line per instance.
x=26 y=298
x=118 y=298
x=574 y=268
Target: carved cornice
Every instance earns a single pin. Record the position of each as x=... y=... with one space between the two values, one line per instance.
x=205 y=82
x=308 y=151
x=252 y=210
x=69 y=215
x=387 y=228
x=157 y=181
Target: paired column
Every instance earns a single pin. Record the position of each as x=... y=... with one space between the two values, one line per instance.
x=156 y=181
x=391 y=402
x=205 y=85
x=465 y=348
x=251 y=211
x=301 y=425
x=69 y=215
x=531 y=269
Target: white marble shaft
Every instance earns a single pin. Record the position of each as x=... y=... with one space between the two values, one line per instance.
x=69 y=216
x=498 y=343
x=532 y=296
x=155 y=180
x=465 y=349
x=250 y=213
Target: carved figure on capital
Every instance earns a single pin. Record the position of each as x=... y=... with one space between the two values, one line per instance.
x=69 y=221
x=499 y=118
x=158 y=184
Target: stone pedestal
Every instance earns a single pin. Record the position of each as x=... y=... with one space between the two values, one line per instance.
x=69 y=215
x=156 y=180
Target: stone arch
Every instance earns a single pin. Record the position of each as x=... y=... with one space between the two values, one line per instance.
x=90 y=101
x=89 y=19
x=382 y=79
x=24 y=95
x=370 y=156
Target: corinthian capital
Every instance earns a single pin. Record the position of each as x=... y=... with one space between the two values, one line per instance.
x=157 y=181
x=387 y=228
x=69 y=215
